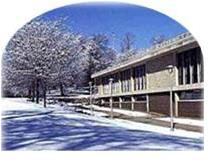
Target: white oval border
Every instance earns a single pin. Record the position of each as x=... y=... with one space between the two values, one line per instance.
x=191 y=14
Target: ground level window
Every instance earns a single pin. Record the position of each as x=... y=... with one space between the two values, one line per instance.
x=140 y=98
x=191 y=95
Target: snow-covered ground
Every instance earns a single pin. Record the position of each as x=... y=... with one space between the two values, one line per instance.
x=185 y=121
x=28 y=126
x=126 y=112
x=188 y=121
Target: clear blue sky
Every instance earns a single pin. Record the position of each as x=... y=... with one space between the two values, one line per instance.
x=117 y=18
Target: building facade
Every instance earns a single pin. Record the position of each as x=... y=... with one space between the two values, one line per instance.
x=145 y=82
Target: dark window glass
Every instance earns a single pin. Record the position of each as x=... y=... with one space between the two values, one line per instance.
x=190 y=67
x=140 y=98
x=139 y=77
x=189 y=95
x=200 y=65
x=187 y=68
x=180 y=69
x=194 y=66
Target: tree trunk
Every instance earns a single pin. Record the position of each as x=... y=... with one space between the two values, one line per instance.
x=43 y=86
x=61 y=89
x=37 y=91
x=33 y=91
x=29 y=93
x=44 y=95
x=49 y=90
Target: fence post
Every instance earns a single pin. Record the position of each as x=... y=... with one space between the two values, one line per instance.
x=111 y=98
x=91 y=109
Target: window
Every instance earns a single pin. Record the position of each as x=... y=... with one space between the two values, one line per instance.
x=190 y=95
x=126 y=81
x=200 y=65
x=180 y=68
x=105 y=81
x=115 y=85
x=187 y=68
x=190 y=66
x=126 y=99
x=194 y=67
x=140 y=98
x=139 y=75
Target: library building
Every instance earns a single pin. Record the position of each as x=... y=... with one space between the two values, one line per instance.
x=165 y=78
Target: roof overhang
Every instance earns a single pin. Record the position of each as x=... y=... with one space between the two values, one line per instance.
x=180 y=41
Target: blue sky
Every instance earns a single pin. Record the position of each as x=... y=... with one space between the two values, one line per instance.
x=117 y=19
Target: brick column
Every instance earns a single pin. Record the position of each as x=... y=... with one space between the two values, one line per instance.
x=119 y=81
x=175 y=69
x=147 y=103
x=176 y=97
x=102 y=102
x=101 y=86
x=120 y=102
x=132 y=81
x=132 y=102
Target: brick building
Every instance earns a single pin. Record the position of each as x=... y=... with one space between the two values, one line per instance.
x=146 y=81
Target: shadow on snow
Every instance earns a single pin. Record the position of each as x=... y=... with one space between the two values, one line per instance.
x=54 y=131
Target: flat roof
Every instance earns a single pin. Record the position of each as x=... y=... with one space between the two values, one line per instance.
x=168 y=45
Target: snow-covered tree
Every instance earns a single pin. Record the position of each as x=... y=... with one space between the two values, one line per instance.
x=40 y=53
x=45 y=54
x=98 y=55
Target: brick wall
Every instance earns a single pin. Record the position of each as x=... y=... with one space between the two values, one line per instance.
x=159 y=103
x=126 y=105
x=115 y=104
x=191 y=109
x=106 y=104
x=140 y=106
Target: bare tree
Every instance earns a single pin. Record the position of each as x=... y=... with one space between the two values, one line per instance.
x=127 y=43
x=127 y=48
x=157 y=39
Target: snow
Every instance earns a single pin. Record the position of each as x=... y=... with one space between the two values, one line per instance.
x=83 y=96
x=158 y=129
x=61 y=128
x=126 y=112
x=17 y=104
x=188 y=121
x=87 y=110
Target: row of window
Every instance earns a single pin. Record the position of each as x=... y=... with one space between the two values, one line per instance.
x=190 y=95
x=190 y=67
x=124 y=78
x=190 y=70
